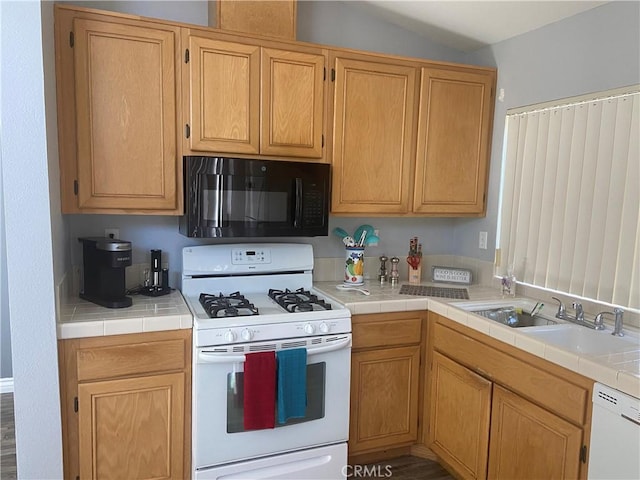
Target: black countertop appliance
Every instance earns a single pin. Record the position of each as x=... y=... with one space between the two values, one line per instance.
x=104 y=262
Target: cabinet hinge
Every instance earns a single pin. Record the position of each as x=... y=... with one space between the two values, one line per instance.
x=72 y=39
x=75 y=187
x=324 y=74
x=333 y=74
x=186 y=56
x=75 y=404
x=322 y=141
x=187 y=130
x=583 y=454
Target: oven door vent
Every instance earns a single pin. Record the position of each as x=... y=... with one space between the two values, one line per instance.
x=261 y=347
x=299 y=343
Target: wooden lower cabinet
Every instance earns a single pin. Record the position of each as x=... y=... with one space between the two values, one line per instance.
x=460 y=415
x=385 y=376
x=126 y=406
x=529 y=442
x=495 y=411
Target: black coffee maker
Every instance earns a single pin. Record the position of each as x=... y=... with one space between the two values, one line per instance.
x=104 y=261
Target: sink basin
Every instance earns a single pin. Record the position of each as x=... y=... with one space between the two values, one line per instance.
x=584 y=341
x=508 y=312
x=514 y=317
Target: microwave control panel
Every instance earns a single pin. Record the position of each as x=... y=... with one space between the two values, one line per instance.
x=240 y=256
x=313 y=208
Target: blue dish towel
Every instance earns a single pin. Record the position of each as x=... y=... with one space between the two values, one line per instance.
x=292 y=384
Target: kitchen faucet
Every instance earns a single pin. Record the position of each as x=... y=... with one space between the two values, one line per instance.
x=579 y=316
x=562 y=311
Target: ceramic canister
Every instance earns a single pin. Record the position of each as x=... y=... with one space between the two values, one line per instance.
x=354 y=266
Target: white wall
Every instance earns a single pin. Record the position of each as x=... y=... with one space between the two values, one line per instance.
x=589 y=52
x=28 y=243
x=5 y=332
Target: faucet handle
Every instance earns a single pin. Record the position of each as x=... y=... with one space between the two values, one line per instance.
x=579 y=310
x=562 y=311
x=599 y=320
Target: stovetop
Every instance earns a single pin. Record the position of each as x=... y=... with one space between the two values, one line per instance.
x=255 y=277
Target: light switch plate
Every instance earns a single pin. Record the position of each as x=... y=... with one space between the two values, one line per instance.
x=451 y=275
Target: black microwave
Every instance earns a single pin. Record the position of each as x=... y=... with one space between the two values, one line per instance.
x=237 y=197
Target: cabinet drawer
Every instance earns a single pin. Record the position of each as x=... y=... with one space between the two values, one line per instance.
x=564 y=398
x=381 y=330
x=136 y=358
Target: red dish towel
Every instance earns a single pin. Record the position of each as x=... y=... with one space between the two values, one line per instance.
x=259 y=390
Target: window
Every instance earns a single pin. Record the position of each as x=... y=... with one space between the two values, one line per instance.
x=570 y=198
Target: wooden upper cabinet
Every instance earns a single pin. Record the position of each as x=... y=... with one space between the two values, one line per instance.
x=293 y=103
x=225 y=96
x=264 y=17
x=249 y=99
x=125 y=122
x=454 y=138
x=373 y=132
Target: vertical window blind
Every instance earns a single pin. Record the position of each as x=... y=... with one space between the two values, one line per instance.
x=570 y=200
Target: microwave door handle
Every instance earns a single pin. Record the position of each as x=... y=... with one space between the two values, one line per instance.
x=297 y=219
x=211 y=357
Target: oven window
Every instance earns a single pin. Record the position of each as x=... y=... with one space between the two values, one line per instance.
x=315 y=398
x=244 y=199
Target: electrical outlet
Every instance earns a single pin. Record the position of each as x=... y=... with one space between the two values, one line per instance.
x=482 y=243
x=112 y=232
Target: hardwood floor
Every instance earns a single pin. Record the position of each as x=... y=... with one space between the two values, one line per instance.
x=401 y=468
x=8 y=469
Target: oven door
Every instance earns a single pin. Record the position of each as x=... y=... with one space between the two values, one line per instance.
x=218 y=434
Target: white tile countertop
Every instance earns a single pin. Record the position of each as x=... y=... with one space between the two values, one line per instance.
x=618 y=370
x=79 y=318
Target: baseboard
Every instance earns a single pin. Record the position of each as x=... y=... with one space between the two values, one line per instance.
x=6 y=385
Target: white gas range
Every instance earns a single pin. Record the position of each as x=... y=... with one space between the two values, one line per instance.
x=250 y=298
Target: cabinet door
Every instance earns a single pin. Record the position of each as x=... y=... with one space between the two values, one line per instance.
x=132 y=428
x=528 y=442
x=384 y=398
x=125 y=86
x=454 y=138
x=373 y=131
x=292 y=103
x=225 y=96
x=459 y=418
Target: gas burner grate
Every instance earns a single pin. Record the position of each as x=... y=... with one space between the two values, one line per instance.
x=441 y=292
x=232 y=305
x=300 y=300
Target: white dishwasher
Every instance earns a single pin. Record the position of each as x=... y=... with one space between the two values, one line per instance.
x=615 y=435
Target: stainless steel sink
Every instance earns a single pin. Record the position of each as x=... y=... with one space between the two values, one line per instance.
x=513 y=317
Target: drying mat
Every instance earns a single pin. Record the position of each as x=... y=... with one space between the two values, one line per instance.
x=442 y=292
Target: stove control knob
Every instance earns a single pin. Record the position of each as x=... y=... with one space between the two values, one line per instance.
x=229 y=336
x=324 y=328
x=309 y=328
x=247 y=334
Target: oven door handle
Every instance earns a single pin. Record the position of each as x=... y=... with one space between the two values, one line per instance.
x=212 y=357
